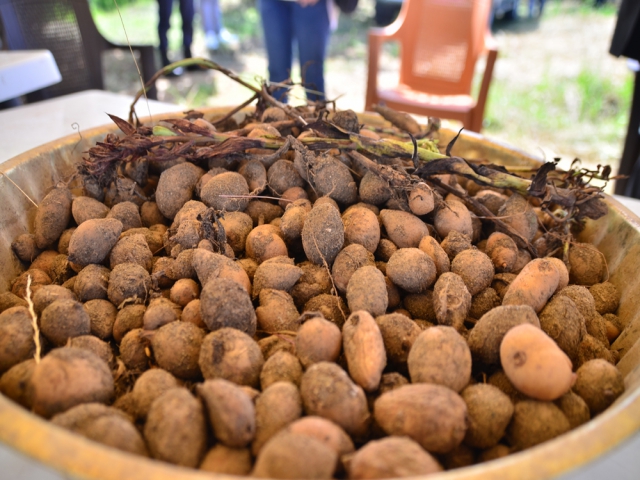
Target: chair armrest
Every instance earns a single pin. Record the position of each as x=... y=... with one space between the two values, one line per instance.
x=147 y=64
x=490 y=43
x=377 y=36
x=375 y=43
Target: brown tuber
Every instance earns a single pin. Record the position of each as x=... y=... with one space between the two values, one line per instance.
x=392 y=457
x=486 y=336
x=231 y=412
x=440 y=356
x=599 y=384
x=535 y=364
x=232 y=355
x=490 y=412
x=411 y=269
x=327 y=391
x=176 y=348
x=534 y=285
x=16 y=337
x=67 y=377
x=225 y=303
x=322 y=234
x=404 y=411
x=175 y=429
x=535 y=422
x=318 y=340
x=292 y=455
x=367 y=290
x=276 y=407
x=364 y=350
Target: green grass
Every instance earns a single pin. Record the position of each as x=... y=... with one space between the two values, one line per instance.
x=244 y=22
x=140 y=19
x=581 y=7
x=599 y=106
x=601 y=99
x=109 y=5
x=140 y=22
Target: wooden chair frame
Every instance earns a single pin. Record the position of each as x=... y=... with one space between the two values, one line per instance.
x=479 y=41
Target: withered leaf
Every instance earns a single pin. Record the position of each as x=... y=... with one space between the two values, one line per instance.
x=593 y=208
x=452 y=143
x=439 y=166
x=182 y=149
x=327 y=129
x=230 y=146
x=538 y=185
x=402 y=120
x=487 y=169
x=186 y=126
x=193 y=114
x=123 y=125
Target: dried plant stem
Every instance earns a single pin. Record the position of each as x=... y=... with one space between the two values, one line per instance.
x=187 y=62
x=232 y=112
x=480 y=210
x=393 y=177
x=205 y=63
x=21 y=191
x=34 y=322
x=263 y=197
x=133 y=56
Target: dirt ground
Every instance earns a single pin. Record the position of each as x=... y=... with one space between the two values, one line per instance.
x=560 y=48
x=555 y=49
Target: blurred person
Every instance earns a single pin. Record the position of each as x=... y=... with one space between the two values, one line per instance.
x=187 y=13
x=626 y=42
x=307 y=23
x=532 y=4
x=216 y=35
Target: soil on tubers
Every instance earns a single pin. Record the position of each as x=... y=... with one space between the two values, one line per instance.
x=296 y=300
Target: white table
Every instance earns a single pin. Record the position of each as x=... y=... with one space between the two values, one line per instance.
x=25 y=71
x=25 y=127
x=632 y=204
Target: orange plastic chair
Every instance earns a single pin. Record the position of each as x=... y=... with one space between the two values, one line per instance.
x=441 y=41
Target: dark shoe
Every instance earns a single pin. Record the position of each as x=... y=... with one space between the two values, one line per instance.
x=187 y=55
x=165 y=61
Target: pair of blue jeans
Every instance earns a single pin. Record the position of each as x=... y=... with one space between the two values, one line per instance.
x=286 y=23
x=187 y=12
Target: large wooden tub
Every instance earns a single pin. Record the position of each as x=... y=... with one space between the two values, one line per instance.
x=617 y=235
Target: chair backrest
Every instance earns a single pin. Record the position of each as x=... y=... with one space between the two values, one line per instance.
x=441 y=41
x=66 y=28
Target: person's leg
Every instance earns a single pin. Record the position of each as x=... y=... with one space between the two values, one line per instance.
x=631 y=149
x=227 y=38
x=187 y=12
x=278 y=35
x=217 y=17
x=210 y=22
x=164 y=15
x=311 y=31
x=206 y=15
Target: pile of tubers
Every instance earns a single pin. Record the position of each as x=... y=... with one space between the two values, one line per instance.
x=297 y=314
